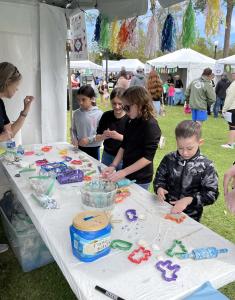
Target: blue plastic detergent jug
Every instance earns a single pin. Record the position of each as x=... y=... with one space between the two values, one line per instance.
x=90 y=235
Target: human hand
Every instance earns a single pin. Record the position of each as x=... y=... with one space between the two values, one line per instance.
x=6 y=135
x=115 y=135
x=27 y=103
x=180 y=205
x=107 y=172
x=74 y=142
x=83 y=142
x=116 y=176
x=107 y=133
x=228 y=176
x=230 y=201
x=161 y=194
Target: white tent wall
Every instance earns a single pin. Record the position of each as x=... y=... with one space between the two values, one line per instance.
x=36 y=51
x=53 y=32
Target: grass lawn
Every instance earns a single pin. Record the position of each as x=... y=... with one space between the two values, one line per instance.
x=49 y=283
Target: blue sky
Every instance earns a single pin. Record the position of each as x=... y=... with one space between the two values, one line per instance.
x=200 y=20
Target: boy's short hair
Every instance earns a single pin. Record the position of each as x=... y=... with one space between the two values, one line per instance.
x=187 y=129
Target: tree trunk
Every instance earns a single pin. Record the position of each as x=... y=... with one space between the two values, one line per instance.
x=228 y=27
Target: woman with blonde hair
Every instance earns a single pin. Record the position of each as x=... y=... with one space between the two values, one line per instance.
x=10 y=79
x=154 y=86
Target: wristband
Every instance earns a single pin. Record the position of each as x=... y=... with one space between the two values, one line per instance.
x=22 y=114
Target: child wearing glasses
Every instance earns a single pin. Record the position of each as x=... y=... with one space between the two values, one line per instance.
x=140 y=141
x=85 y=122
x=111 y=128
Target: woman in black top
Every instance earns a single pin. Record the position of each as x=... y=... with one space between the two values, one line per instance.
x=140 y=141
x=10 y=79
x=111 y=128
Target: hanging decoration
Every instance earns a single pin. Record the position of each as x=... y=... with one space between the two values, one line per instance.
x=213 y=17
x=122 y=36
x=152 y=40
x=104 y=33
x=189 y=27
x=169 y=34
x=131 y=27
x=113 y=43
x=97 y=29
x=132 y=39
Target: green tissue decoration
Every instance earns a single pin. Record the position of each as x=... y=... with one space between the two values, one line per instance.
x=104 y=33
x=189 y=27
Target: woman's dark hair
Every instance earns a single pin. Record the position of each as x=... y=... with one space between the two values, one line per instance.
x=140 y=96
x=8 y=75
x=87 y=91
x=207 y=72
x=117 y=92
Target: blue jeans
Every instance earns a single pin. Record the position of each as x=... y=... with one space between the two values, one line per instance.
x=170 y=100
x=107 y=159
x=218 y=106
x=144 y=185
x=157 y=106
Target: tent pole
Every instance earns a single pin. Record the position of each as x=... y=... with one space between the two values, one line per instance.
x=69 y=83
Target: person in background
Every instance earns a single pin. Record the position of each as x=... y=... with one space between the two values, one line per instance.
x=10 y=79
x=140 y=142
x=85 y=122
x=179 y=93
x=171 y=93
x=186 y=178
x=220 y=91
x=178 y=82
x=154 y=86
x=112 y=127
x=103 y=90
x=198 y=94
x=122 y=80
x=74 y=82
x=138 y=79
x=229 y=113
x=165 y=87
x=170 y=79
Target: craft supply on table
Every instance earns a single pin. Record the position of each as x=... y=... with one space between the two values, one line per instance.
x=42 y=185
x=63 y=152
x=2 y=152
x=176 y=249
x=76 y=162
x=20 y=150
x=46 y=148
x=203 y=253
x=52 y=169
x=10 y=144
x=121 y=245
x=99 y=194
x=70 y=176
x=67 y=158
x=90 y=235
x=41 y=162
x=178 y=218
x=29 y=153
x=122 y=193
x=125 y=182
x=131 y=215
x=166 y=267
x=46 y=201
x=139 y=255
x=108 y=294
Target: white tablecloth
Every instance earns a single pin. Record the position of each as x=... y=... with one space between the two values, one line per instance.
x=115 y=272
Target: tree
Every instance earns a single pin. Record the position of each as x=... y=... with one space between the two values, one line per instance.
x=200 y=5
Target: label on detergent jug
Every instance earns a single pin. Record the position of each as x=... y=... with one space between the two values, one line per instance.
x=96 y=246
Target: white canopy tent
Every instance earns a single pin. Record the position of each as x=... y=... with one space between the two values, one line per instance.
x=230 y=60
x=130 y=65
x=34 y=40
x=87 y=65
x=191 y=61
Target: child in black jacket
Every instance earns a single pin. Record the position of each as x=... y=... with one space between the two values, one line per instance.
x=185 y=178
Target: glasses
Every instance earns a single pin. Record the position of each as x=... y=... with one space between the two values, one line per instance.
x=127 y=108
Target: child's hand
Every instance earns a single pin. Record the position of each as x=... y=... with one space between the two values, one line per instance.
x=114 y=177
x=75 y=142
x=115 y=135
x=83 y=142
x=107 y=134
x=180 y=205
x=107 y=172
x=161 y=194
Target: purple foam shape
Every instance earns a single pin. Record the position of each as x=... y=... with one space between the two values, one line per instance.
x=162 y=266
x=70 y=176
x=133 y=214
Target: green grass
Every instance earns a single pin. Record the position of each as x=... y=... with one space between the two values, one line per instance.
x=49 y=283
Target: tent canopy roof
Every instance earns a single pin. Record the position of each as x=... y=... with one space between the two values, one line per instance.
x=230 y=60
x=129 y=64
x=182 y=58
x=84 y=64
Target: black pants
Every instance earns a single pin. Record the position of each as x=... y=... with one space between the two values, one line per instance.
x=92 y=151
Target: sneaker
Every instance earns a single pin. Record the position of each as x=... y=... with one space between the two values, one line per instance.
x=3 y=248
x=228 y=146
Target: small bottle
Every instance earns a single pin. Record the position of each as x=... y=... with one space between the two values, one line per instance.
x=20 y=150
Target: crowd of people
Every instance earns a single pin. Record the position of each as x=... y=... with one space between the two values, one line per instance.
x=130 y=133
